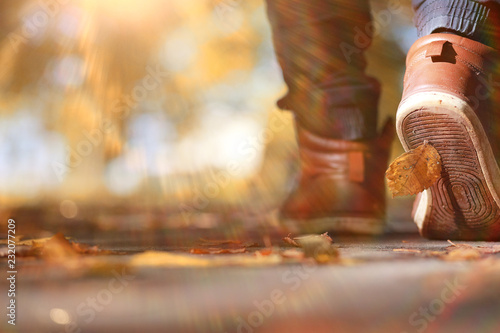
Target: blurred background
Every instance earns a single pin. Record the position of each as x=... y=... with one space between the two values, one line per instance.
x=132 y=114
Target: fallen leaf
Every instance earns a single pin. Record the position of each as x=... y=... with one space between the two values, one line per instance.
x=264 y=252
x=90 y=250
x=435 y=253
x=318 y=247
x=224 y=246
x=327 y=237
x=29 y=242
x=55 y=247
x=167 y=259
x=217 y=251
x=457 y=252
x=293 y=241
x=414 y=171
x=407 y=250
x=490 y=249
x=17 y=240
x=462 y=254
x=288 y=240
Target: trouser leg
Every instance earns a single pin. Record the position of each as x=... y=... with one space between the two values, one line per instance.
x=477 y=20
x=320 y=46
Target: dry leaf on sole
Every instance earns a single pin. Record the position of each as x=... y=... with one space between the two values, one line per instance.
x=414 y=171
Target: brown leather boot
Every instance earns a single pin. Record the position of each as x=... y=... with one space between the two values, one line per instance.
x=341 y=187
x=450 y=93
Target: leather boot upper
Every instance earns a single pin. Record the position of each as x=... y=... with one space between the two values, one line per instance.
x=340 y=178
x=461 y=67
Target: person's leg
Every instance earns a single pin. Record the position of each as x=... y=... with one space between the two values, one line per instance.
x=450 y=98
x=320 y=46
x=476 y=20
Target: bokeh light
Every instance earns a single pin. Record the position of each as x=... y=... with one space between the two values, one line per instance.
x=59 y=316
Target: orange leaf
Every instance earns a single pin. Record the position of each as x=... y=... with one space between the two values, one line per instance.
x=414 y=171
x=217 y=251
x=488 y=249
x=462 y=254
x=58 y=247
x=407 y=250
x=264 y=252
x=290 y=241
x=295 y=241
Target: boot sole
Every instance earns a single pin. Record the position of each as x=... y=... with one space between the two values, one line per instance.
x=464 y=203
x=337 y=225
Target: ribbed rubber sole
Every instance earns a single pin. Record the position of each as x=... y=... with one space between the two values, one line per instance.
x=464 y=203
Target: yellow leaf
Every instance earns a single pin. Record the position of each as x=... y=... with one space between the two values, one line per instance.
x=167 y=259
x=414 y=171
x=28 y=242
x=462 y=254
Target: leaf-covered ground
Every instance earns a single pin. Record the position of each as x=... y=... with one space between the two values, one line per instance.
x=173 y=281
